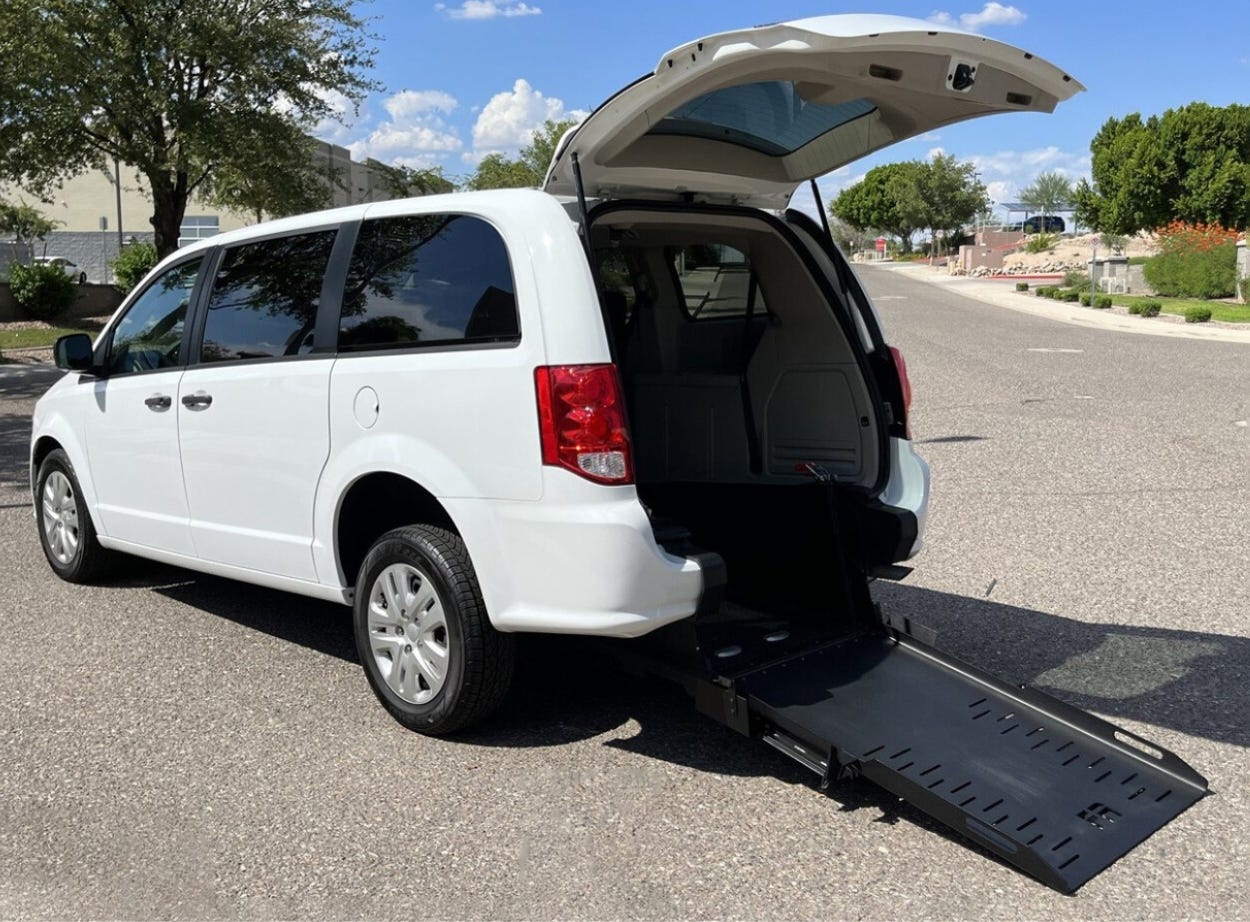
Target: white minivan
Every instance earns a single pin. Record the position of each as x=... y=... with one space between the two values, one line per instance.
x=645 y=393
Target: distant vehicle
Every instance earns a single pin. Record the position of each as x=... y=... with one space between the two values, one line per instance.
x=69 y=267
x=1050 y=224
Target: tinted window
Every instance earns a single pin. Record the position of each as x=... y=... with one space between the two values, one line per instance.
x=265 y=297
x=716 y=281
x=769 y=117
x=149 y=335
x=428 y=279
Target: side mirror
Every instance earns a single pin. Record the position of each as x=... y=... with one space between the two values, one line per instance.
x=73 y=352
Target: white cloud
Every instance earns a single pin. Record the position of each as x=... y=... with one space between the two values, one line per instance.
x=510 y=119
x=935 y=152
x=1006 y=172
x=487 y=9
x=992 y=14
x=415 y=133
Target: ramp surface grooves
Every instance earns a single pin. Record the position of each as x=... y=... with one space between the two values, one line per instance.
x=1050 y=789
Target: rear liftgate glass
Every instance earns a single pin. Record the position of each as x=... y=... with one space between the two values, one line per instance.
x=1053 y=790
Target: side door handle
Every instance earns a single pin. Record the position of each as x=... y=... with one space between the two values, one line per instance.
x=159 y=402
x=197 y=400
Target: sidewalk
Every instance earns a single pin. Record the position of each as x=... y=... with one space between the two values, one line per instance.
x=1117 y=319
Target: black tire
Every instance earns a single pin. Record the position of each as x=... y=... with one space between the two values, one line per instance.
x=88 y=560
x=480 y=660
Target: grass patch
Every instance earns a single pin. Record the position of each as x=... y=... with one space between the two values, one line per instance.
x=1228 y=313
x=32 y=337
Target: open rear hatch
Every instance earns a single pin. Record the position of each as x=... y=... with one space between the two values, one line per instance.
x=747 y=116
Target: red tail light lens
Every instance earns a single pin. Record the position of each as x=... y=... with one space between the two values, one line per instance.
x=904 y=383
x=581 y=418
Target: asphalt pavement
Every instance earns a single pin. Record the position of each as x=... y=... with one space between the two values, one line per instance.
x=179 y=746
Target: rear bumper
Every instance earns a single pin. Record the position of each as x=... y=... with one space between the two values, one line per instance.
x=581 y=561
x=908 y=490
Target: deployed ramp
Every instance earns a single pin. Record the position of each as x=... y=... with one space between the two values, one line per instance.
x=1048 y=788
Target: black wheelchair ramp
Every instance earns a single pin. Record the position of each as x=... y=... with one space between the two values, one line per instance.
x=1050 y=789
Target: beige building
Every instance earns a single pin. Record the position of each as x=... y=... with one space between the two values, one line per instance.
x=92 y=219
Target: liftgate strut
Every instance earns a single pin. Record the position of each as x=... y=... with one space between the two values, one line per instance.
x=1048 y=788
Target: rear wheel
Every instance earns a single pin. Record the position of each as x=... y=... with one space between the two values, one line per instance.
x=65 y=528
x=422 y=632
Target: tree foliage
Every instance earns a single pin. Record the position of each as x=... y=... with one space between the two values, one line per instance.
x=25 y=224
x=1048 y=193
x=941 y=194
x=176 y=89
x=528 y=168
x=134 y=262
x=271 y=181
x=43 y=292
x=1190 y=164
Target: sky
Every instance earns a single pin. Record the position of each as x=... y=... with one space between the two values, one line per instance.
x=464 y=78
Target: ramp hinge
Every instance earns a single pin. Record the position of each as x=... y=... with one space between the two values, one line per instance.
x=902 y=624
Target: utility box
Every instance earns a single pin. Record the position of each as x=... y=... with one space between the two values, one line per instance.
x=1109 y=274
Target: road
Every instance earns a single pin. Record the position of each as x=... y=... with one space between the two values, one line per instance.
x=178 y=746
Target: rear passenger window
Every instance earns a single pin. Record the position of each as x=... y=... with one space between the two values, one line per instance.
x=265 y=297
x=716 y=281
x=428 y=279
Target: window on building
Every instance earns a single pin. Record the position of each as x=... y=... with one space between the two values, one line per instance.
x=428 y=279
x=265 y=298
x=198 y=227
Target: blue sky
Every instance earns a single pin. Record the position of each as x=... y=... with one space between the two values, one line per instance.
x=463 y=78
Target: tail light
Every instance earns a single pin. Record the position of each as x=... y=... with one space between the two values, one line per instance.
x=581 y=418
x=904 y=383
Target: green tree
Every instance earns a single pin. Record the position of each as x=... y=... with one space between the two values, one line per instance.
x=1048 y=193
x=406 y=182
x=25 y=224
x=528 y=168
x=882 y=199
x=952 y=196
x=283 y=176
x=1190 y=164
x=172 y=88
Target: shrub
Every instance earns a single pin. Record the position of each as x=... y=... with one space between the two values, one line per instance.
x=1069 y=295
x=132 y=264
x=43 y=292
x=1086 y=298
x=1194 y=261
x=1147 y=308
x=1022 y=286
x=1052 y=292
x=1075 y=278
x=1135 y=307
x=1102 y=302
x=1040 y=291
x=1040 y=243
x=1197 y=314
x=1245 y=288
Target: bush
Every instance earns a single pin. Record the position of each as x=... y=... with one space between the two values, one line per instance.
x=1075 y=278
x=132 y=264
x=1040 y=243
x=1102 y=302
x=42 y=292
x=1194 y=261
x=1245 y=288
x=1052 y=292
x=1022 y=286
x=1086 y=298
x=1197 y=314
x=1040 y=291
x=1146 y=308
x=1069 y=295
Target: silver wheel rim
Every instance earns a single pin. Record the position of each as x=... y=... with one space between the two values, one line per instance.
x=60 y=518
x=408 y=633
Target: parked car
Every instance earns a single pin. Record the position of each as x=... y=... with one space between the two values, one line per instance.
x=478 y=414
x=1050 y=224
x=63 y=263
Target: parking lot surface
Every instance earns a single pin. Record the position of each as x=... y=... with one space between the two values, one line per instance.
x=179 y=746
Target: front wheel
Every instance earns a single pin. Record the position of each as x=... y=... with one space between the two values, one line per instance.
x=65 y=528
x=422 y=632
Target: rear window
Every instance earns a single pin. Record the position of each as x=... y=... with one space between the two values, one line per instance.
x=716 y=282
x=769 y=117
x=423 y=279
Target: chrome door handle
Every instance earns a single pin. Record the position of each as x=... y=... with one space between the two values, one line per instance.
x=197 y=400
x=159 y=402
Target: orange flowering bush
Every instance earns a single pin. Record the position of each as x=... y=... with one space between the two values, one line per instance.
x=1194 y=261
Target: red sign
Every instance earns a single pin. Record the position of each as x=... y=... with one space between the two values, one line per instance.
x=880 y=244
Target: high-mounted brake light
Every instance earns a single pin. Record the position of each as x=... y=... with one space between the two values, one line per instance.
x=581 y=418
x=904 y=383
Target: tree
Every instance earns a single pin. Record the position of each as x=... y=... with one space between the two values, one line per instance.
x=529 y=168
x=1048 y=193
x=951 y=196
x=874 y=202
x=25 y=224
x=406 y=182
x=282 y=177
x=1191 y=164
x=176 y=89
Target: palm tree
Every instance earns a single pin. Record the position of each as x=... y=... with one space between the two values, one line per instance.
x=1047 y=194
